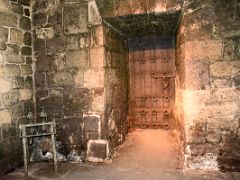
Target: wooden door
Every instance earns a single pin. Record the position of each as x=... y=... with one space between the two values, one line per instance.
x=152 y=82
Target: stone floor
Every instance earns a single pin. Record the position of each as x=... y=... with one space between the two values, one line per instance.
x=145 y=155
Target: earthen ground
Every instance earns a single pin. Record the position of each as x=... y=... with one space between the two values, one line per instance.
x=145 y=155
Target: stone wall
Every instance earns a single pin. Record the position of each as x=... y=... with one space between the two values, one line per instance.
x=116 y=86
x=208 y=69
x=16 y=78
x=69 y=52
x=81 y=76
x=73 y=77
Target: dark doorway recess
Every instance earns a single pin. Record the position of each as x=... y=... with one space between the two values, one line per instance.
x=151 y=45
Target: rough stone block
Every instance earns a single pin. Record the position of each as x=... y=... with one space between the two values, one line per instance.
x=236 y=81
x=94 y=17
x=57 y=92
x=26 y=12
x=39 y=19
x=10 y=98
x=5 y=117
x=85 y=41
x=214 y=137
x=25 y=23
x=27 y=38
x=225 y=68
x=45 y=63
x=222 y=83
x=75 y=19
x=13 y=48
x=25 y=94
x=97 y=57
x=97 y=96
x=56 y=44
x=28 y=60
x=93 y=78
x=229 y=124
x=24 y=2
x=16 y=8
x=60 y=62
x=77 y=59
x=79 y=78
x=12 y=70
x=16 y=36
x=91 y=122
x=195 y=135
x=2 y=58
x=203 y=50
x=71 y=133
x=99 y=36
x=1 y=72
x=72 y=42
x=199 y=32
x=4 y=5
x=20 y=81
x=16 y=112
x=8 y=20
x=76 y=101
x=5 y=86
x=52 y=105
x=41 y=94
x=14 y=58
x=55 y=17
x=43 y=33
x=97 y=150
x=196 y=149
x=39 y=46
x=197 y=75
x=26 y=70
x=61 y=79
x=4 y=37
x=26 y=51
x=231 y=48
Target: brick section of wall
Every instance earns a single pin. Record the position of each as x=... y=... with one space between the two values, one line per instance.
x=16 y=78
x=208 y=70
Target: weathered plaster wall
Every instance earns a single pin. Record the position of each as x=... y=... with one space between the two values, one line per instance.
x=208 y=70
x=16 y=78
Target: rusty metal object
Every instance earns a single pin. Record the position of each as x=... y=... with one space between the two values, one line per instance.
x=152 y=82
x=28 y=131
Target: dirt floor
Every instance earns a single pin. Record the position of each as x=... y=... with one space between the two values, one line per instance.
x=145 y=155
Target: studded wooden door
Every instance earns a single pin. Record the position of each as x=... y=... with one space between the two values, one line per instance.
x=152 y=82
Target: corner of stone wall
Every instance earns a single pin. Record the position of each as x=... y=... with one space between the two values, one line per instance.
x=70 y=75
x=116 y=87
